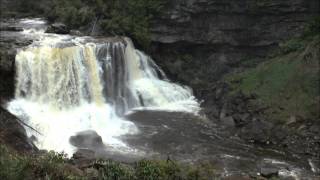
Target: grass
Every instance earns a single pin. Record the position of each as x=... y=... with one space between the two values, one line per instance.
x=288 y=84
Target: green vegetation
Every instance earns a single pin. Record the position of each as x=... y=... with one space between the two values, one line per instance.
x=291 y=45
x=116 y=17
x=47 y=166
x=289 y=83
x=56 y=166
x=313 y=28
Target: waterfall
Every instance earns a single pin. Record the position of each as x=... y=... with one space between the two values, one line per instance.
x=66 y=84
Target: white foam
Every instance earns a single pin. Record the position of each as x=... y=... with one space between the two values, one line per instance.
x=33 y=21
x=56 y=126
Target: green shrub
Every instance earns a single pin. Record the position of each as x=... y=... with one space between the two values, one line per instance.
x=117 y=17
x=53 y=165
x=75 y=13
x=11 y=165
x=148 y=170
x=110 y=170
x=47 y=166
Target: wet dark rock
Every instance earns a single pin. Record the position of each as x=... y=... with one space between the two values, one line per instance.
x=10 y=28
x=10 y=42
x=223 y=111
x=13 y=134
x=315 y=128
x=228 y=121
x=257 y=131
x=279 y=133
x=83 y=158
x=86 y=139
x=269 y=172
x=58 y=28
x=76 y=33
x=237 y=178
x=83 y=153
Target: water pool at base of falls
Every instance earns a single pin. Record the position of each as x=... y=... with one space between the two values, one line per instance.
x=66 y=85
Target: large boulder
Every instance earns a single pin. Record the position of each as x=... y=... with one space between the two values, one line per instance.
x=257 y=131
x=269 y=172
x=13 y=134
x=58 y=28
x=86 y=139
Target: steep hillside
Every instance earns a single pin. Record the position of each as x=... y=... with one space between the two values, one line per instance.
x=288 y=84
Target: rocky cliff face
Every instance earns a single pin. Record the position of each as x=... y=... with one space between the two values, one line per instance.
x=10 y=41
x=198 y=41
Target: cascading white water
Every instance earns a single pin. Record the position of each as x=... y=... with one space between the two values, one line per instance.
x=65 y=85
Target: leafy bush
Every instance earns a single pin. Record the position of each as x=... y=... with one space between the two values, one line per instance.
x=54 y=165
x=152 y=170
x=110 y=170
x=11 y=166
x=47 y=166
x=117 y=17
x=74 y=12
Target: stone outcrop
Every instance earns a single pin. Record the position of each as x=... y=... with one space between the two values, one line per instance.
x=250 y=23
x=10 y=41
x=86 y=139
x=13 y=134
x=58 y=28
x=199 y=41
